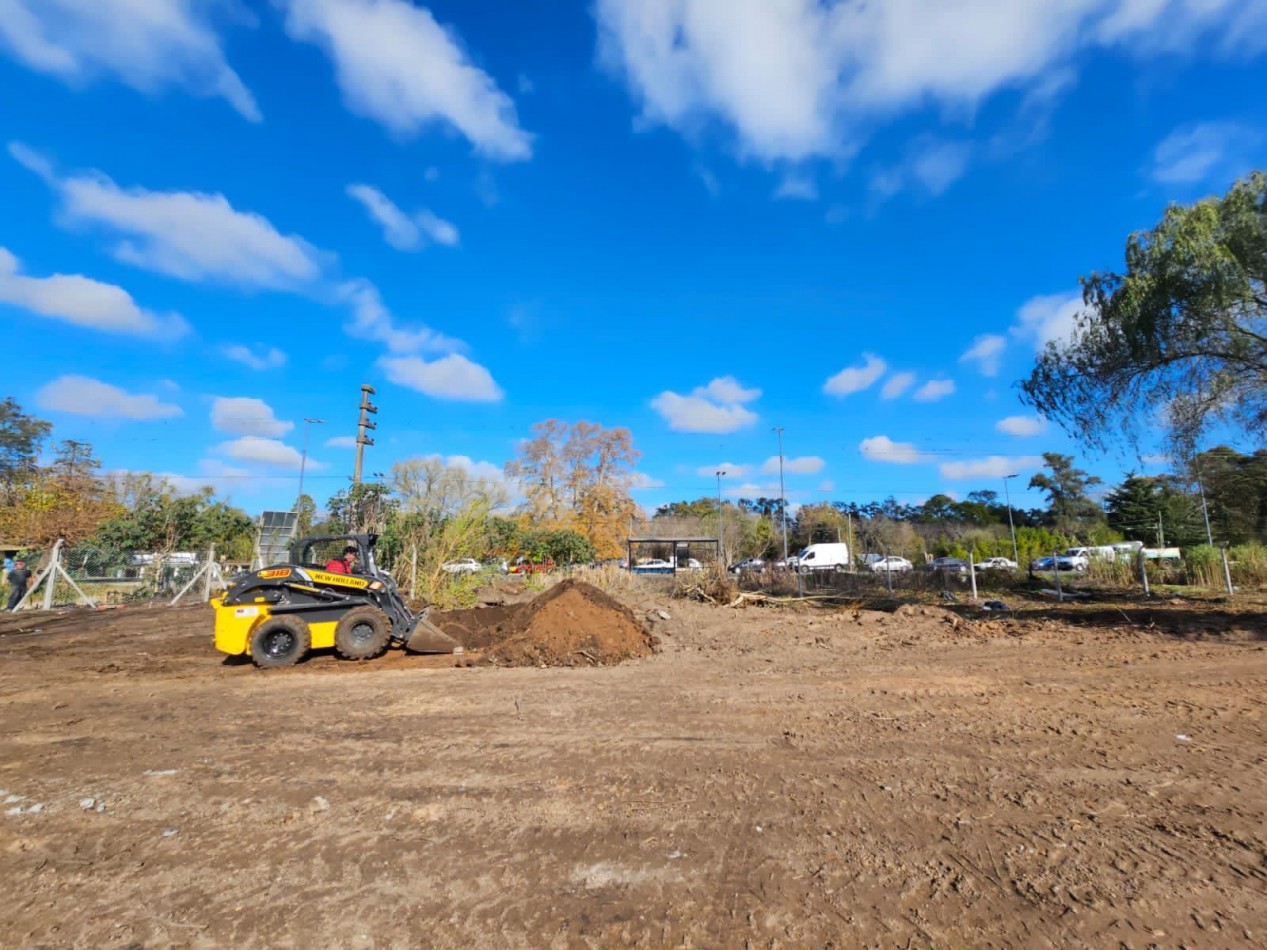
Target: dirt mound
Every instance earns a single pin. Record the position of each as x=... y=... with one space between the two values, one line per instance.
x=571 y=624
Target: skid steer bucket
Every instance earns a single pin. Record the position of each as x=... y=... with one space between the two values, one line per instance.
x=426 y=637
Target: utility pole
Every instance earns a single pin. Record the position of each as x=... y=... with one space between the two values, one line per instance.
x=303 y=459
x=1161 y=534
x=1010 y=526
x=721 y=544
x=782 y=493
x=362 y=425
x=1205 y=512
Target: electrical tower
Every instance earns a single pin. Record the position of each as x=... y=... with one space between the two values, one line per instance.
x=362 y=425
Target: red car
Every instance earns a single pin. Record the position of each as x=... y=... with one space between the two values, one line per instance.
x=522 y=565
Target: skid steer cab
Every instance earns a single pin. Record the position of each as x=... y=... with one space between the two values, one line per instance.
x=322 y=598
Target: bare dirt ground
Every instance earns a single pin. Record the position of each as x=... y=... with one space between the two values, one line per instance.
x=770 y=778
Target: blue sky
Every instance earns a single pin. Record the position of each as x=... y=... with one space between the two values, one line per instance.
x=699 y=219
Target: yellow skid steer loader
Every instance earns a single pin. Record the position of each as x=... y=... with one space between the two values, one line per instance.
x=280 y=612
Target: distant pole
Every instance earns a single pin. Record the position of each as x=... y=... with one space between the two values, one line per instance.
x=1205 y=512
x=721 y=544
x=1011 y=527
x=782 y=493
x=303 y=459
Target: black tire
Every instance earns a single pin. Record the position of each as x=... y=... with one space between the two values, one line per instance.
x=280 y=641
x=362 y=634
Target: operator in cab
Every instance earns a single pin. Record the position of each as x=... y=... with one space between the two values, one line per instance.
x=345 y=564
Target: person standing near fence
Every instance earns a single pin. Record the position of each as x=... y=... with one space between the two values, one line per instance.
x=18 y=579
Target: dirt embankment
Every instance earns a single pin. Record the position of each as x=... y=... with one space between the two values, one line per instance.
x=571 y=624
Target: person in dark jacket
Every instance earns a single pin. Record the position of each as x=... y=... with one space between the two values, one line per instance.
x=18 y=580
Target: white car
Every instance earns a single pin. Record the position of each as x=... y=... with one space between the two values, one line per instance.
x=467 y=565
x=997 y=564
x=892 y=564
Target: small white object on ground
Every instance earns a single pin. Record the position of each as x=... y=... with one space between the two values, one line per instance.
x=1182 y=738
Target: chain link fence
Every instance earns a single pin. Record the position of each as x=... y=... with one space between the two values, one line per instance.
x=90 y=576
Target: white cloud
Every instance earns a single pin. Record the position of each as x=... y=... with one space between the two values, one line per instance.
x=253 y=448
x=451 y=377
x=148 y=45
x=730 y=470
x=270 y=358
x=805 y=465
x=717 y=407
x=371 y=320
x=396 y=65
x=798 y=186
x=896 y=384
x=880 y=448
x=854 y=379
x=1049 y=318
x=806 y=78
x=996 y=466
x=1022 y=426
x=643 y=482
x=986 y=351
x=242 y=415
x=84 y=396
x=400 y=230
x=190 y=235
x=1204 y=151
x=341 y=442
x=931 y=166
x=84 y=302
x=488 y=471
x=437 y=229
x=934 y=390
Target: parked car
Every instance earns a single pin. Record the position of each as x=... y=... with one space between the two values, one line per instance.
x=748 y=564
x=997 y=564
x=950 y=565
x=653 y=565
x=467 y=565
x=892 y=564
x=1074 y=559
x=1061 y=562
x=521 y=565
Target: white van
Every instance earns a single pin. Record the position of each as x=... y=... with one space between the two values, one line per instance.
x=832 y=556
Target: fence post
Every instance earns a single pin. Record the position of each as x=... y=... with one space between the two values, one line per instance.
x=206 y=574
x=972 y=572
x=1227 y=572
x=51 y=579
x=413 y=570
x=1143 y=572
x=1055 y=566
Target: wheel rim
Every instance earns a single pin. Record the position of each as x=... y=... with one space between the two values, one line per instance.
x=279 y=643
x=362 y=633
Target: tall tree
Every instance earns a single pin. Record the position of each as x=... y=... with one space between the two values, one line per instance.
x=21 y=437
x=1068 y=503
x=578 y=476
x=1235 y=487
x=1182 y=332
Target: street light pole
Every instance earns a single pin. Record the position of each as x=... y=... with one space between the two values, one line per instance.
x=1010 y=525
x=782 y=493
x=303 y=459
x=721 y=544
